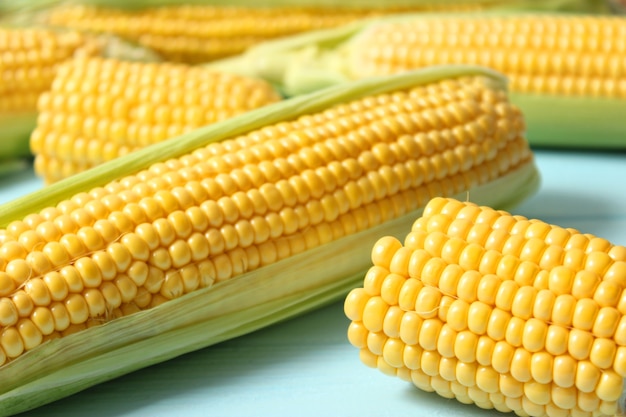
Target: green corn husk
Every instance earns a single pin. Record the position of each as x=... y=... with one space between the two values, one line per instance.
x=314 y=60
x=234 y=307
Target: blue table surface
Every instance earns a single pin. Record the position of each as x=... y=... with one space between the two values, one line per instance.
x=305 y=366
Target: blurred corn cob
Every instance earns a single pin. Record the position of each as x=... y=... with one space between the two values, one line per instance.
x=29 y=61
x=567 y=72
x=99 y=109
x=206 y=30
x=238 y=224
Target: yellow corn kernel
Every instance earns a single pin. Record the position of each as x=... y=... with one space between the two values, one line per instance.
x=99 y=109
x=527 y=345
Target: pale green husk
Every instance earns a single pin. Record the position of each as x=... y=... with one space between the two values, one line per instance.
x=313 y=60
x=256 y=299
x=15 y=131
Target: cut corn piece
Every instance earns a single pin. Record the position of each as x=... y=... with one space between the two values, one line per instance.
x=567 y=72
x=30 y=58
x=209 y=30
x=497 y=310
x=99 y=109
x=196 y=239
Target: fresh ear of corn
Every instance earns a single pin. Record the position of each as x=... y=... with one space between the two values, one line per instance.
x=206 y=30
x=99 y=109
x=238 y=224
x=496 y=310
x=567 y=72
x=29 y=60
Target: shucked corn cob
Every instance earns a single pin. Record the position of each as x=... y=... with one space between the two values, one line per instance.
x=238 y=224
x=207 y=30
x=29 y=58
x=99 y=109
x=497 y=310
x=567 y=72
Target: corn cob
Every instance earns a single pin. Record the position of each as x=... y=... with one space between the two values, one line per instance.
x=567 y=72
x=99 y=109
x=496 y=310
x=196 y=239
x=208 y=30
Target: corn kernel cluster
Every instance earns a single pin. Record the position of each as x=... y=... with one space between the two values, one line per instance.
x=562 y=55
x=497 y=310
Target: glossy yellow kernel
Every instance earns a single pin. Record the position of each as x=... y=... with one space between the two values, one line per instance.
x=120 y=256
x=429 y=333
x=561 y=280
x=23 y=303
x=432 y=271
x=564 y=371
x=544 y=302
x=393 y=352
x=603 y=353
x=457 y=316
x=585 y=284
x=137 y=247
x=44 y=320
x=105 y=264
x=89 y=271
x=466 y=373
x=506 y=294
x=392 y=321
x=535 y=332
x=521 y=365
x=96 y=303
x=373 y=281
x=563 y=310
x=564 y=398
x=585 y=314
x=515 y=331
x=609 y=387
x=579 y=343
x=376 y=342
x=410 y=328
x=77 y=309
x=390 y=289
x=449 y=279
x=478 y=317
x=73 y=245
x=8 y=312
x=465 y=346
x=523 y=302
x=427 y=302
x=557 y=340
x=56 y=254
x=606 y=322
x=29 y=333
x=510 y=387
x=11 y=342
